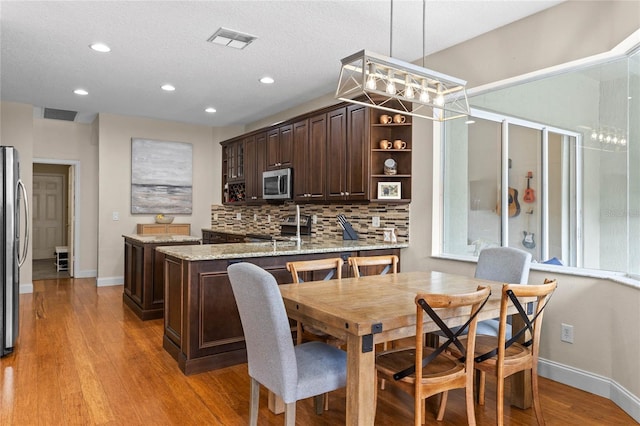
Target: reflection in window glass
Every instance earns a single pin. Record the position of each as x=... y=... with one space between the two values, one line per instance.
x=471 y=179
x=582 y=153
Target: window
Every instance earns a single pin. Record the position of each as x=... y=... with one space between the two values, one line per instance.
x=570 y=142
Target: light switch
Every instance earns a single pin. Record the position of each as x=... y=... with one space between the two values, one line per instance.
x=238 y=216
x=116 y=216
x=375 y=221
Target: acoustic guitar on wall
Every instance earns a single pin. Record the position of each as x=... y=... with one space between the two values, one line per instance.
x=513 y=204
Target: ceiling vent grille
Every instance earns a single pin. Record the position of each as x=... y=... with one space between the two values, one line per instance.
x=231 y=38
x=60 y=114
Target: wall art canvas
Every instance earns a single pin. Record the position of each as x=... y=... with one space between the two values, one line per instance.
x=161 y=176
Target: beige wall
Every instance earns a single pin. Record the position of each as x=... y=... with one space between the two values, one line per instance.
x=114 y=182
x=75 y=143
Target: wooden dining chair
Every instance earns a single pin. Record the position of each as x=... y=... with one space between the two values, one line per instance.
x=291 y=372
x=380 y=265
x=310 y=269
x=424 y=371
x=501 y=356
x=389 y=262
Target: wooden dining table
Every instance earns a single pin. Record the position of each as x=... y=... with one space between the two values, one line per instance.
x=369 y=310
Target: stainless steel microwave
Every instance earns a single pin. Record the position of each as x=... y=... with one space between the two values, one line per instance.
x=276 y=184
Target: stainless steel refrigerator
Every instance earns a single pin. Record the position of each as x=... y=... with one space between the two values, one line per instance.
x=12 y=258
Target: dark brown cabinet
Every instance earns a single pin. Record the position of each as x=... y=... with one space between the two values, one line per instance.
x=233 y=167
x=255 y=157
x=348 y=149
x=309 y=158
x=280 y=147
x=144 y=277
x=335 y=154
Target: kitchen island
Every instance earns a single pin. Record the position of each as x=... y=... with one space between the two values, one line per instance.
x=202 y=328
x=144 y=272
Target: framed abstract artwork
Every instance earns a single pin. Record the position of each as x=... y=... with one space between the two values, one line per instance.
x=161 y=177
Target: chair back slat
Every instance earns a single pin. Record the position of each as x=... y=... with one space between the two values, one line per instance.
x=390 y=263
x=333 y=266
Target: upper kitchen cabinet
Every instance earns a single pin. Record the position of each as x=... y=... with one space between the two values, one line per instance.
x=391 y=144
x=280 y=147
x=309 y=158
x=233 y=154
x=233 y=167
x=256 y=161
x=348 y=148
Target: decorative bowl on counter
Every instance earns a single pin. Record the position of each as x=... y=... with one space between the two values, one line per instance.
x=161 y=218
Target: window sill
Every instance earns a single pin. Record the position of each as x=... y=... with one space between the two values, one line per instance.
x=617 y=277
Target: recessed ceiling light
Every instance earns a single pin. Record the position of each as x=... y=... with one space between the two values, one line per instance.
x=267 y=80
x=81 y=92
x=100 y=47
x=210 y=110
x=168 y=87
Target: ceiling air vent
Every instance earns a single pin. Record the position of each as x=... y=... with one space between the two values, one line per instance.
x=60 y=114
x=231 y=38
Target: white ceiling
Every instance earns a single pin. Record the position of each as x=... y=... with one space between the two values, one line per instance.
x=45 y=53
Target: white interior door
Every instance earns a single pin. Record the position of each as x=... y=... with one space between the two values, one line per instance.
x=49 y=221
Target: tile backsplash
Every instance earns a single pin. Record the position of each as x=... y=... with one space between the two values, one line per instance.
x=265 y=219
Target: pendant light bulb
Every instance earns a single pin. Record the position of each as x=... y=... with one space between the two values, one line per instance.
x=424 y=93
x=391 y=86
x=371 y=79
x=408 y=91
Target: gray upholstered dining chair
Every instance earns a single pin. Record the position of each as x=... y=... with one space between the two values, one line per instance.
x=291 y=372
x=507 y=265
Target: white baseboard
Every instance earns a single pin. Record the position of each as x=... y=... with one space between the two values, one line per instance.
x=109 y=281
x=87 y=274
x=593 y=383
x=26 y=288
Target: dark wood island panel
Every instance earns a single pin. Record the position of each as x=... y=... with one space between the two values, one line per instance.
x=202 y=326
x=144 y=272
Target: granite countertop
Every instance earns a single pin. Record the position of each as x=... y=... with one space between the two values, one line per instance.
x=280 y=248
x=161 y=238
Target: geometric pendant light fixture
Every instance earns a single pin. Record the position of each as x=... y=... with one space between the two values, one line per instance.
x=396 y=86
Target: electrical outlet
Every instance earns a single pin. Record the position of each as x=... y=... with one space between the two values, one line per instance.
x=314 y=219
x=116 y=216
x=215 y=216
x=255 y=217
x=268 y=218
x=566 y=333
x=238 y=216
x=375 y=221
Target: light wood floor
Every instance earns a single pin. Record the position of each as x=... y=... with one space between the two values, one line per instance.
x=83 y=358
